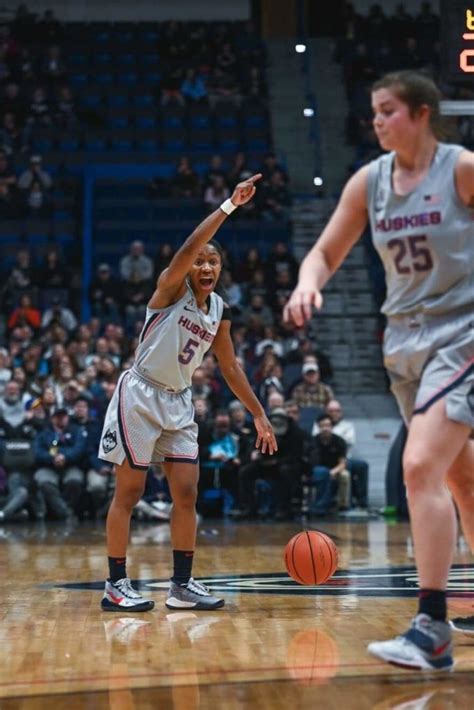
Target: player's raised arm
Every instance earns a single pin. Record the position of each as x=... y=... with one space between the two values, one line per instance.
x=341 y=233
x=172 y=278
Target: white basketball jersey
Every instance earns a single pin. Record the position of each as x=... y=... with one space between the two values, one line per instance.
x=175 y=339
x=425 y=238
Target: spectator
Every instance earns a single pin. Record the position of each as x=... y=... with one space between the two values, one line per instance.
x=275 y=198
x=223 y=87
x=12 y=406
x=25 y=314
x=40 y=110
x=216 y=169
x=35 y=173
x=216 y=193
x=59 y=452
x=105 y=295
x=281 y=472
x=201 y=410
x=65 y=115
x=358 y=469
x=14 y=140
x=239 y=169
x=53 y=68
x=8 y=189
x=251 y=262
x=136 y=293
x=327 y=459
x=5 y=370
x=222 y=455
x=171 y=87
x=162 y=259
x=282 y=261
x=54 y=273
x=258 y=307
x=232 y=291
x=193 y=87
x=136 y=266
x=99 y=475
x=13 y=102
x=275 y=400
x=59 y=314
x=186 y=182
x=311 y=392
x=17 y=445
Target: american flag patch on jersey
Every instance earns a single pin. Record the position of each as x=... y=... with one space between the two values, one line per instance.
x=432 y=199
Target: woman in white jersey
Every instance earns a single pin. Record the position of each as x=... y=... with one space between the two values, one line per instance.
x=151 y=417
x=419 y=198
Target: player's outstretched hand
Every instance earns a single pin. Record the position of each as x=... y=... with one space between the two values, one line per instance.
x=244 y=191
x=300 y=306
x=266 y=441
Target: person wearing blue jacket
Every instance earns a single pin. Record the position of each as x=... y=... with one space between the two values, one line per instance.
x=60 y=449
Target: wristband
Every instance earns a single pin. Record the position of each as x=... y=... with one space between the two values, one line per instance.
x=228 y=206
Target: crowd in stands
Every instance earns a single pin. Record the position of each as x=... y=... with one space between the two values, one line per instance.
x=216 y=183
x=377 y=43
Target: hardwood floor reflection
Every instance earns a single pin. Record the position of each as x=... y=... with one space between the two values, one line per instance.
x=274 y=645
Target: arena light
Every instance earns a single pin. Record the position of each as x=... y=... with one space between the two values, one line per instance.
x=317 y=181
x=300 y=48
x=308 y=112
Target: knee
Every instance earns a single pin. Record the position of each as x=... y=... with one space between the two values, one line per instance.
x=185 y=496
x=129 y=498
x=418 y=472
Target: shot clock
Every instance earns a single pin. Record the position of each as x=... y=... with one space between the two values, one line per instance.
x=457 y=41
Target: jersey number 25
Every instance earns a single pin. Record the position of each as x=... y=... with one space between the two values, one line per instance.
x=419 y=255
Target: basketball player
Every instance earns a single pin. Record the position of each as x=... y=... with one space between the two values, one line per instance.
x=419 y=198
x=151 y=417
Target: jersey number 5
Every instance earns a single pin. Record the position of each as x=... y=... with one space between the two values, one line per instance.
x=420 y=258
x=188 y=352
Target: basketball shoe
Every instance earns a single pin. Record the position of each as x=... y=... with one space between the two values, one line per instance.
x=425 y=646
x=121 y=596
x=464 y=624
x=192 y=595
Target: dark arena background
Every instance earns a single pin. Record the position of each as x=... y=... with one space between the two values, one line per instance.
x=123 y=124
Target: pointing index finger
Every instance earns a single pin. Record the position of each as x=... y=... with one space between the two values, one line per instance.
x=254 y=178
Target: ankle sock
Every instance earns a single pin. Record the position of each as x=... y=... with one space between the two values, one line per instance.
x=117 y=568
x=182 y=566
x=433 y=603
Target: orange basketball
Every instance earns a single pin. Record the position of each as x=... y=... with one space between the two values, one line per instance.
x=311 y=557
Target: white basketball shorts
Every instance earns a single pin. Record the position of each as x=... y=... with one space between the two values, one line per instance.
x=430 y=357
x=146 y=424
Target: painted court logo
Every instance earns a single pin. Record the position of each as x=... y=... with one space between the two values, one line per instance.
x=109 y=441
x=365 y=582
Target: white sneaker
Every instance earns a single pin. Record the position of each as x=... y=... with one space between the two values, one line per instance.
x=192 y=595
x=426 y=646
x=121 y=596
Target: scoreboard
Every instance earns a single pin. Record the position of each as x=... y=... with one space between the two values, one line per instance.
x=457 y=41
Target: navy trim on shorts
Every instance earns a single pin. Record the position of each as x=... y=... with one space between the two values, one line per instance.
x=439 y=395
x=180 y=459
x=128 y=454
x=148 y=325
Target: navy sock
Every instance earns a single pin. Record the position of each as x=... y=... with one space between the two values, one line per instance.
x=117 y=568
x=182 y=566
x=433 y=603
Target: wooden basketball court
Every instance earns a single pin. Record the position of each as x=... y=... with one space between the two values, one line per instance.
x=275 y=644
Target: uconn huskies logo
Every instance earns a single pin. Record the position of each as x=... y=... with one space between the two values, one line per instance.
x=109 y=441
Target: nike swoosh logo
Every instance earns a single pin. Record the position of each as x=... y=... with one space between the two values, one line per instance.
x=191 y=310
x=117 y=600
x=440 y=650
